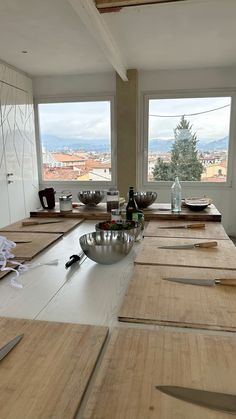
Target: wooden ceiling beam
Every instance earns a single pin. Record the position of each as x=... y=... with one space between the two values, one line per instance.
x=90 y=16
x=106 y=6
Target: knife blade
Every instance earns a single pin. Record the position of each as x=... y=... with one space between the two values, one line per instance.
x=9 y=346
x=206 y=282
x=186 y=226
x=190 y=246
x=34 y=223
x=209 y=399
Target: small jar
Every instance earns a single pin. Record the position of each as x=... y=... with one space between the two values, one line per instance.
x=116 y=215
x=65 y=203
x=112 y=200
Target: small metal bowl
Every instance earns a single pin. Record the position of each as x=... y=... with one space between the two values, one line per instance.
x=131 y=227
x=91 y=198
x=145 y=199
x=106 y=247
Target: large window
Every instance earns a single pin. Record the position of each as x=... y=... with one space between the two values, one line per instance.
x=76 y=141
x=187 y=137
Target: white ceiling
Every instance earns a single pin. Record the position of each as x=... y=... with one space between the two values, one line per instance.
x=189 y=34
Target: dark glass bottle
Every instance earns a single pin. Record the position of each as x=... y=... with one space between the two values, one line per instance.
x=132 y=206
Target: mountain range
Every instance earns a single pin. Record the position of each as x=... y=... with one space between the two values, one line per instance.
x=53 y=143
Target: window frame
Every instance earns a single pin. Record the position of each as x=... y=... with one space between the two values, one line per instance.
x=143 y=144
x=76 y=184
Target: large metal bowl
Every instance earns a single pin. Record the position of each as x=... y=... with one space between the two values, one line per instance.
x=106 y=247
x=91 y=198
x=145 y=199
x=131 y=227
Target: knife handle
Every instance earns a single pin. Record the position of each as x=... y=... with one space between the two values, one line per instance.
x=226 y=281
x=29 y=223
x=207 y=244
x=196 y=226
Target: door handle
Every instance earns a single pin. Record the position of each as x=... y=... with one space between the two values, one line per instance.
x=10 y=181
x=10 y=174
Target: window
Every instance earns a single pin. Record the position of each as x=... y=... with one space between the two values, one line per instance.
x=76 y=142
x=187 y=137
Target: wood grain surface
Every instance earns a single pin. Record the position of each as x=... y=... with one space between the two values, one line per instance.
x=221 y=257
x=211 y=230
x=155 y=211
x=162 y=211
x=63 y=226
x=37 y=243
x=46 y=374
x=152 y=300
x=136 y=361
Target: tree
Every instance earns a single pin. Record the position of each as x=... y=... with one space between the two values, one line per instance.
x=184 y=160
x=161 y=170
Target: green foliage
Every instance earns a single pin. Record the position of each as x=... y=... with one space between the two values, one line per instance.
x=184 y=156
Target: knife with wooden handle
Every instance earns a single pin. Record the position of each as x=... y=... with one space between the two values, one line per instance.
x=34 y=223
x=203 y=282
x=186 y=226
x=201 y=245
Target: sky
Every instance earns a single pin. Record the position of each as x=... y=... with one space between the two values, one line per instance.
x=91 y=120
x=209 y=126
x=83 y=120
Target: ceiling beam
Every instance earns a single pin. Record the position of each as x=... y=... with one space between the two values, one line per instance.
x=88 y=13
x=106 y=6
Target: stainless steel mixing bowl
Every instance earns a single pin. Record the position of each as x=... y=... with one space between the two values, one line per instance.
x=130 y=227
x=106 y=247
x=91 y=198
x=145 y=199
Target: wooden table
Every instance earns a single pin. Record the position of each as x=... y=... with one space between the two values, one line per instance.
x=152 y=300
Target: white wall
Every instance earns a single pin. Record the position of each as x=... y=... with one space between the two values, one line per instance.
x=83 y=84
x=216 y=78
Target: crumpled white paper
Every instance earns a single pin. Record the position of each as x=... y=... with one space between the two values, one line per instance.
x=6 y=254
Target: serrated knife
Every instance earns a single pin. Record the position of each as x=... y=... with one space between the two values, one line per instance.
x=206 y=282
x=190 y=246
x=209 y=399
x=185 y=226
x=9 y=346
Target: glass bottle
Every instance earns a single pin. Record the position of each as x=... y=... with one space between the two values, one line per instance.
x=132 y=206
x=176 y=196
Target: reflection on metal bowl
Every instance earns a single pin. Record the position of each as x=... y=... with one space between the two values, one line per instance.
x=131 y=227
x=145 y=199
x=91 y=198
x=106 y=247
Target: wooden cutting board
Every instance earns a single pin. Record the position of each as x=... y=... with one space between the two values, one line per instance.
x=163 y=212
x=64 y=225
x=46 y=374
x=221 y=257
x=152 y=300
x=37 y=243
x=138 y=360
x=211 y=230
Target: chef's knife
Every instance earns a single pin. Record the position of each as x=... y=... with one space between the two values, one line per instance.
x=9 y=346
x=216 y=401
x=34 y=223
x=186 y=226
x=190 y=246
x=200 y=281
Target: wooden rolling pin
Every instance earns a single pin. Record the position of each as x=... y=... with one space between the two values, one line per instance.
x=35 y=223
